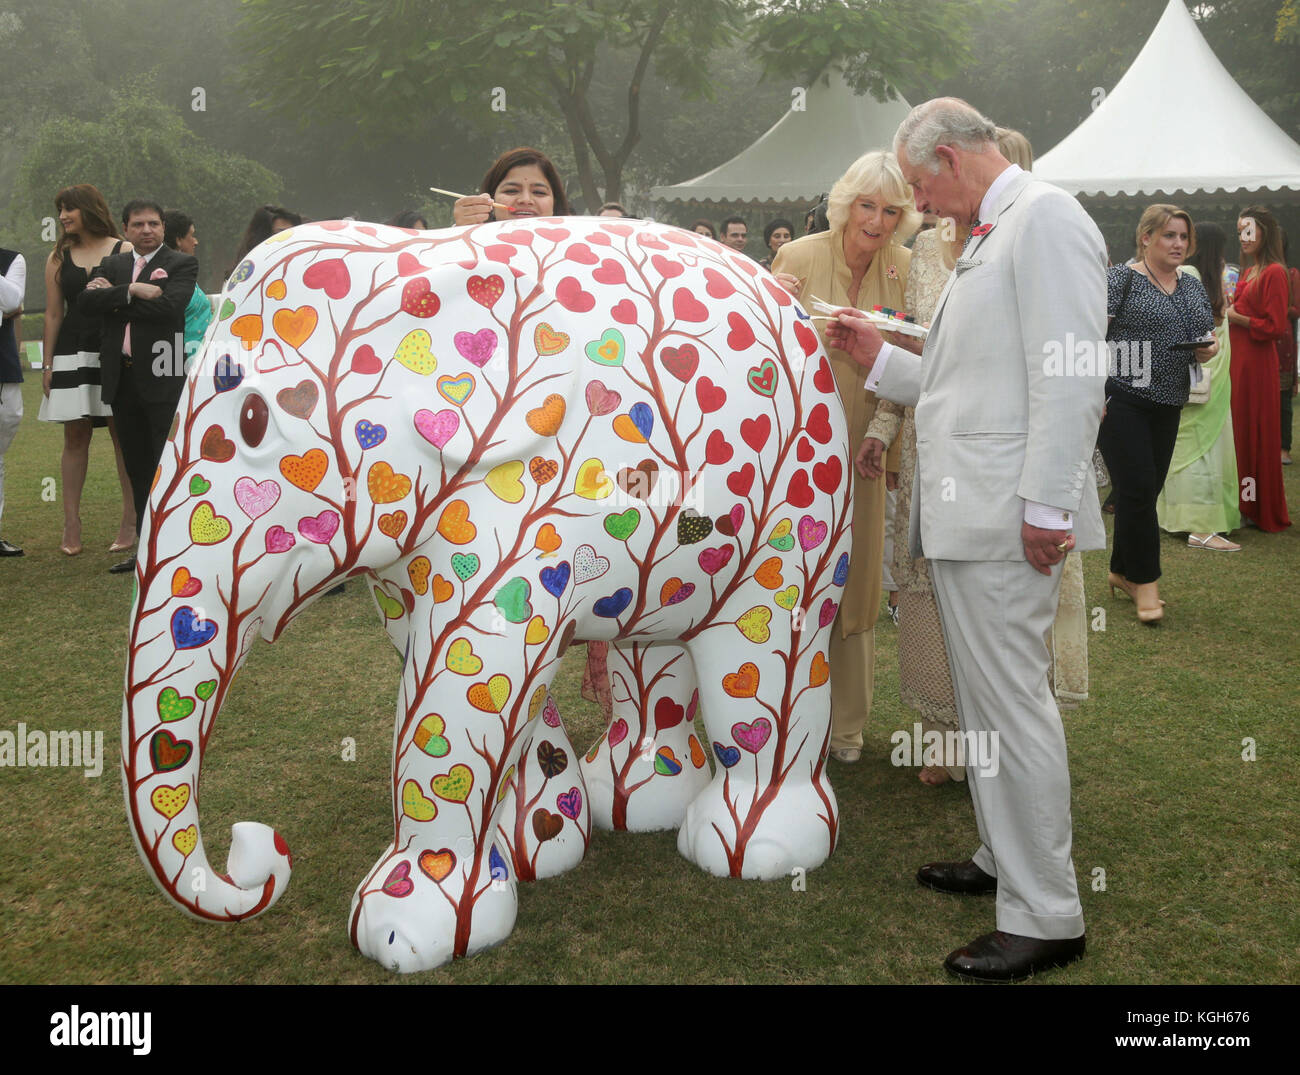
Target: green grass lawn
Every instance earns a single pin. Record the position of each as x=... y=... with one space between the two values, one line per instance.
x=1198 y=846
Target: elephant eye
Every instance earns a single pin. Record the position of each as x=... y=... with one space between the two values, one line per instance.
x=252 y=420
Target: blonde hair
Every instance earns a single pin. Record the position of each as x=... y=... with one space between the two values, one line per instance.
x=876 y=174
x=1016 y=148
x=1155 y=217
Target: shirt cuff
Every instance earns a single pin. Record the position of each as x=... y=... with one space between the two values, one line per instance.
x=878 y=368
x=1046 y=517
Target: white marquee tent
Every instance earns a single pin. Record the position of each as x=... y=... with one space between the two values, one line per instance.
x=1177 y=122
x=798 y=159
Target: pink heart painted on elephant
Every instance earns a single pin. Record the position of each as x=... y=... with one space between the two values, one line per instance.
x=811 y=533
x=256 y=498
x=602 y=400
x=399 y=883
x=551 y=713
x=321 y=528
x=714 y=560
x=438 y=428
x=752 y=736
x=827 y=613
x=476 y=347
x=570 y=803
x=278 y=539
x=617 y=732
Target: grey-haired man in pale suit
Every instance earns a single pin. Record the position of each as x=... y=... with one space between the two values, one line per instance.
x=1005 y=429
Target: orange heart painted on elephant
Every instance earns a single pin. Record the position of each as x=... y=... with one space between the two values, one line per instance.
x=442 y=590
x=437 y=864
x=742 y=683
x=305 y=471
x=820 y=671
x=769 y=573
x=276 y=290
x=547 y=418
x=454 y=523
x=547 y=540
x=418 y=572
x=294 y=326
x=247 y=330
x=393 y=525
x=384 y=486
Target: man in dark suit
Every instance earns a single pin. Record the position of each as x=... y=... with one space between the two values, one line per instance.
x=141 y=299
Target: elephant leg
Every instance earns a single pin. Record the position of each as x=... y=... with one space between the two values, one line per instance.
x=544 y=793
x=648 y=766
x=769 y=809
x=445 y=888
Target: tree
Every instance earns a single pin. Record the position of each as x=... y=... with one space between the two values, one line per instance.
x=381 y=62
x=142 y=147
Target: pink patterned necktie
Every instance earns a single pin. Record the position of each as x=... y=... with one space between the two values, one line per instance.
x=126 y=335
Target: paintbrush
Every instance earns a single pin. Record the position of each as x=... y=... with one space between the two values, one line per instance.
x=453 y=194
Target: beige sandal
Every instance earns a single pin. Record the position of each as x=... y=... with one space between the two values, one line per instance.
x=1213 y=542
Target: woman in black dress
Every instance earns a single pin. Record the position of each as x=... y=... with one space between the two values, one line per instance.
x=70 y=364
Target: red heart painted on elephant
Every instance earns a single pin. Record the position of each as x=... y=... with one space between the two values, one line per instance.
x=485 y=290
x=799 y=493
x=755 y=431
x=805 y=451
x=600 y=239
x=668 y=714
x=610 y=272
x=624 y=312
x=582 y=254
x=749 y=268
x=780 y=294
x=819 y=424
x=741 y=336
x=666 y=268
x=418 y=300
x=366 y=361
x=330 y=276
x=687 y=307
x=571 y=296
x=826 y=476
x=728 y=524
x=617 y=732
x=742 y=480
x=617 y=229
x=681 y=362
x=709 y=396
x=719 y=287
x=808 y=341
x=714 y=560
x=398 y=882
x=650 y=242
x=555 y=235
x=717 y=449
x=500 y=253
x=408 y=264
x=823 y=379
x=518 y=238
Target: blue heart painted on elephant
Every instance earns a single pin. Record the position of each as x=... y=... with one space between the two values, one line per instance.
x=370 y=436
x=643 y=418
x=612 y=606
x=242 y=273
x=727 y=755
x=228 y=374
x=555 y=579
x=497 y=865
x=189 y=631
x=841 y=575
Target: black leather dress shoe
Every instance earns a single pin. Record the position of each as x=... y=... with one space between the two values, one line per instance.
x=958 y=878
x=1008 y=957
x=122 y=568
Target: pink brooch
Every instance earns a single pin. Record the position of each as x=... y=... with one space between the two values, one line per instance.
x=980 y=229
x=892 y=272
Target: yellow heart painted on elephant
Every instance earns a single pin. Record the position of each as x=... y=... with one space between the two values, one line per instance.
x=753 y=624
x=414 y=353
x=490 y=697
x=276 y=290
x=429 y=738
x=186 y=840
x=392 y=609
x=384 y=486
x=592 y=483
x=207 y=527
x=418 y=572
x=538 y=699
x=787 y=597
x=170 y=801
x=415 y=805
x=462 y=659
x=537 y=632
x=507 y=782
x=455 y=785
x=503 y=481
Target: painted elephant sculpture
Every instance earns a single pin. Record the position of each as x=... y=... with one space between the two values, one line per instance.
x=517 y=434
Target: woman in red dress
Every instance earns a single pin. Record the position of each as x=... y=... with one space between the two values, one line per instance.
x=1257 y=319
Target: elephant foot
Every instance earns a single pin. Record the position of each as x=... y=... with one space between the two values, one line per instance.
x=420 y=909
x=729 y=832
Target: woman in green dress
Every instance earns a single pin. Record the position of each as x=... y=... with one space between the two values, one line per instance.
x=1199 y=497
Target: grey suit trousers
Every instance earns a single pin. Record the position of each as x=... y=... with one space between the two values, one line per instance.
x=999 y=666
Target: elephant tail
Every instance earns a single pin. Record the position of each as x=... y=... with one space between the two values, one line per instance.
x=160 y=778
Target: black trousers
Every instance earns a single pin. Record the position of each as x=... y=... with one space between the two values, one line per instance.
x=1137 y=442
x=142 y=430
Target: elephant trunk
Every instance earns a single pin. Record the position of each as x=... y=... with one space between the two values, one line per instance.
x=180 y=664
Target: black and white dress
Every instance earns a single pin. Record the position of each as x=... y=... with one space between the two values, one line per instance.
x=74 y=385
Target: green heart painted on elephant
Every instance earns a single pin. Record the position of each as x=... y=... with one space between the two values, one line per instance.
x=199 y=485
x=622 y=526
x=429 y=737
x=392 y=609
x=227 y=308
x=608 y=350
x=206 y=689
x=465 y=564
x=782 y=537
x=512 y=600
x=171 y=706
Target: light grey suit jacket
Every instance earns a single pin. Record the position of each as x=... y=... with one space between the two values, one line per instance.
x=998 y=421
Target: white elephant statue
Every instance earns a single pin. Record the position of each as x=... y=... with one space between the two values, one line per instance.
x=518 y=435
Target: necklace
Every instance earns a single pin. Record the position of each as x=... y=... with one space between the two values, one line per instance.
x=1151 y=275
